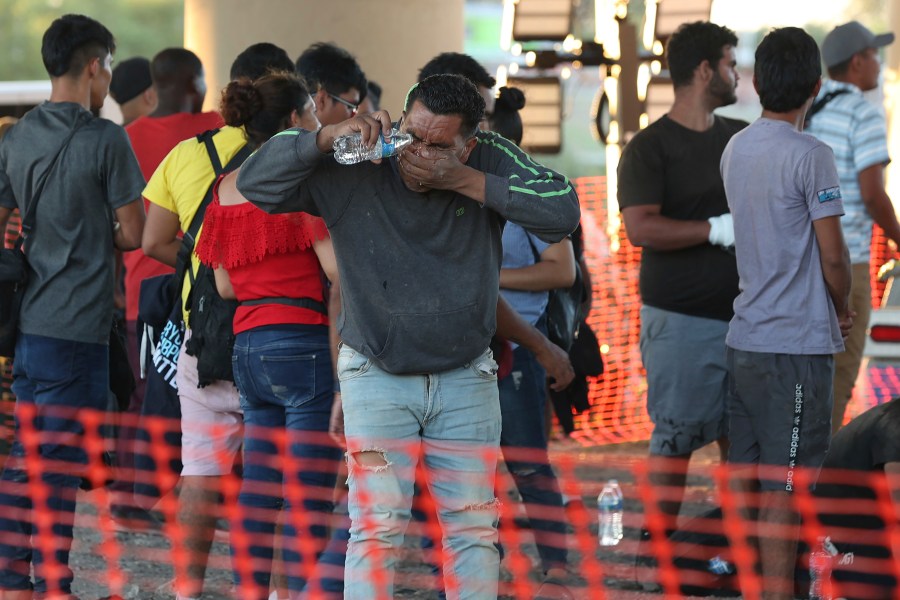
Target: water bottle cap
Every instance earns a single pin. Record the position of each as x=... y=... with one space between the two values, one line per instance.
x=613 y=482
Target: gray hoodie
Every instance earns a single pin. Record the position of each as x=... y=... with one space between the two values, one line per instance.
x=419 y=272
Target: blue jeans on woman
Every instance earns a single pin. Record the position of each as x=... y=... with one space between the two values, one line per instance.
x=285 y=377
x=523 y=396
x=57 y=379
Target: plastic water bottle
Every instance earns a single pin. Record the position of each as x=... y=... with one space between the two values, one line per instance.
x=610 y=504
x=820 y=570
x=349 y=149
x=719 y=566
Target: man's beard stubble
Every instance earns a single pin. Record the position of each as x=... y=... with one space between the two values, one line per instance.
x=722 y=91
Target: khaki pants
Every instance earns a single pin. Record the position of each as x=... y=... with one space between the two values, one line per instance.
x=846 y=363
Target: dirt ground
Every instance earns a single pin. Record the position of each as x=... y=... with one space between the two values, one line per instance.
x=144 y=559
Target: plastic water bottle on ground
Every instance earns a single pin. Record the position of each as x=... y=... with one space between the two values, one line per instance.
x=719 y=566
x=610 y=505
x=349 y=149
x=820 y=570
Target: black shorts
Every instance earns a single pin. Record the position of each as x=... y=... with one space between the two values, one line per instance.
x=779 y=410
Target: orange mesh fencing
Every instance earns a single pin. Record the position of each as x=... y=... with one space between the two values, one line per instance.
x=880 y=253
x=618 y=408
x=713 y=550
x=618 y=398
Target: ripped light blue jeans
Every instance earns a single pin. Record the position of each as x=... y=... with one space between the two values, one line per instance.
x=451 y=419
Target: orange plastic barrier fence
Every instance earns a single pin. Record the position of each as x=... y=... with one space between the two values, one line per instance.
x=618 y=412
x=712 y=550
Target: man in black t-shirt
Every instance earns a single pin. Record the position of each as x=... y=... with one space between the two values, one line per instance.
x=849 y=509
x=673 y=205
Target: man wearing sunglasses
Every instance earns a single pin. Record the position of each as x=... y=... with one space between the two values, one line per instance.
x=339 y=82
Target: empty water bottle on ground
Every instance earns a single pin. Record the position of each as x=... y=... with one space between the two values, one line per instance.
x=820 y=570
x=719 y=566
x=610 y=504
x=349 y=149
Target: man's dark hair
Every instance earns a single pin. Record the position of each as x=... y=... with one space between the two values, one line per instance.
x=450 y=95
x=72 y=41
x=259 y=59
x=174 y=67
x=130 y=79
x=788 y=67
x=691 y=44
x=326 y=66
x=454 y=63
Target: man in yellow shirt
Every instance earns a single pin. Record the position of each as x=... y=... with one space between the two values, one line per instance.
x=211 y=416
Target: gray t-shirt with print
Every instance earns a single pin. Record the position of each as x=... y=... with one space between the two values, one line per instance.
x=778 y=181
x=70 y=250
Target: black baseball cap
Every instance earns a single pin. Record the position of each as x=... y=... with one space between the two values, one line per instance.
x=129 y=79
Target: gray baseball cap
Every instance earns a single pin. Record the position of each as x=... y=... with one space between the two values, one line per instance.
x=846 y=40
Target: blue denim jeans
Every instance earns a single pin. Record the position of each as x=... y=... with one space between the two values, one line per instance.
x=523 y=396
x=286 y=381
x=57 y=378
x=453 y=419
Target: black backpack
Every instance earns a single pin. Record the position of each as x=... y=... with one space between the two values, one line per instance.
x=564 y=312
x=212 y=329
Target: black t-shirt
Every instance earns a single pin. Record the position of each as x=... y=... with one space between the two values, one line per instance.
x=857 y=530
x=865 y=444
x=678 y=168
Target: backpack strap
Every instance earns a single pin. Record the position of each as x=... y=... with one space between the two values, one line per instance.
x=31 y=210
x=820 y=104
x=183 y=262
x=298 y=302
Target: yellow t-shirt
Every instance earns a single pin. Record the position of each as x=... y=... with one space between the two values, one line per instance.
x=182 y=179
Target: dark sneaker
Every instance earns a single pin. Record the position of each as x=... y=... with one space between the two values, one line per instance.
x=136 y=518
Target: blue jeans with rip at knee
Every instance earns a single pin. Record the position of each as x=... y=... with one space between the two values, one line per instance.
x=453 y=419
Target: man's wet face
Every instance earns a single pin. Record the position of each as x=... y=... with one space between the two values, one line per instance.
x=429 y=130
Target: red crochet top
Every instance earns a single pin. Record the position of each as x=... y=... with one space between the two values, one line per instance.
x=266 y=256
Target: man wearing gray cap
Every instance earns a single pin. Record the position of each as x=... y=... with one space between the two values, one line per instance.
x=857 y=133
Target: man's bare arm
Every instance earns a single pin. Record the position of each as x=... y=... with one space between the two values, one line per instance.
x=160 y=240
x=646 y=227
x=835 y=260
x=555 y=269
x=130 y=228
x=550 y=356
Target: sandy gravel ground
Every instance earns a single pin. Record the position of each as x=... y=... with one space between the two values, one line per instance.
x=144 y=559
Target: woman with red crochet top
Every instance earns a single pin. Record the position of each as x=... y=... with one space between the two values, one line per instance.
x=273 y=265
